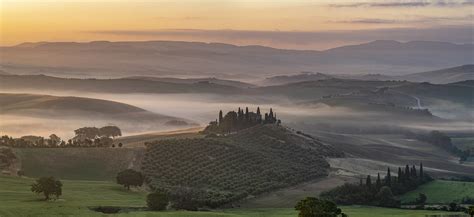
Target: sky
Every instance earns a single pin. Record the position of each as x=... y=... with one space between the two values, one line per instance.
x=287 y=24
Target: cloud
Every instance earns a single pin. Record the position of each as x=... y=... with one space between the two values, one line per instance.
x=316 y=40
x=413 y=20
x=436 y=3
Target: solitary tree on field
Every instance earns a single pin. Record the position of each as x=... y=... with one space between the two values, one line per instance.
x=129 y=178
x=47 y=186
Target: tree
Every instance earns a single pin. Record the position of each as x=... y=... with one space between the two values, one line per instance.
x=378 y=183
x=120 y=145
x=400 y=175
x=157 y=201
x=86 y=133
x=47 y=186
x=129 y=178
x=421 y=199
x=421 y=172
x=470 y=211
x=407 y=173
x=55 y=140
x=388 y=178
x=110 y=131
x=368 y=181
x=314 y=207
x=385 y=198
x=220 y=117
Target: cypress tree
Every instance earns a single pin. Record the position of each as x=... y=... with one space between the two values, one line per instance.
x=378 y=183
x=259 y=116
x=421 y=171
x=400 y=175
x=220 y=117
x=247 y=113
x=413 y=172
x=388 y=178
x=407 y=173
x=368 y=181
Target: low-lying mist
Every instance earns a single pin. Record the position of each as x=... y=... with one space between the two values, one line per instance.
x=202 y=108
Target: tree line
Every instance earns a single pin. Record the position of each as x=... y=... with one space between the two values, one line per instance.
x=84 y=137
x=235 y=121
x=381 y=191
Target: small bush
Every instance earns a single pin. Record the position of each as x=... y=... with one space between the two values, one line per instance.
x=157 y=201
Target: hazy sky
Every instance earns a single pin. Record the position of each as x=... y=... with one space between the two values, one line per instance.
x=300 y=24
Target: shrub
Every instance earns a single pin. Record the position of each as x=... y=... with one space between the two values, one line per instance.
x=129 y=178
x=157 y=201
x=47 y=186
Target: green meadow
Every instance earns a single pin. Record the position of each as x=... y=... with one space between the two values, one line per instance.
x=17 y=200
x=441 y=191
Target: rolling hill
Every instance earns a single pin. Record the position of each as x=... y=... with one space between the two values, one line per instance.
x=193 y=59
x=236 y=166
x=286 y=79
x=45 y=114
x=120 y=85
x=231 y=83
x=443 y=76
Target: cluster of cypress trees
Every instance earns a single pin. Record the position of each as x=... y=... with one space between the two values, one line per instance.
x=234 y=121
x=382 y=191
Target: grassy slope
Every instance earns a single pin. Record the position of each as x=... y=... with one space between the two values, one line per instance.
x=77 y=163
x=440 y=191
x=17 y=201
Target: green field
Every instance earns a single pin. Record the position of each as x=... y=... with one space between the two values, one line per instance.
x=17 y=200
x=440 y=191
x=101 y=164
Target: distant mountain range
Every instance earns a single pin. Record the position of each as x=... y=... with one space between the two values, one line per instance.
x=194 y=59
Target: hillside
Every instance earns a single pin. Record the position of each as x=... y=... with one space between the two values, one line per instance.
x=286 y=79
x=120 y=85
x=193 y=59
x=443 y=76
x=223 y=82
x=236 y=166
x=26 y=114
